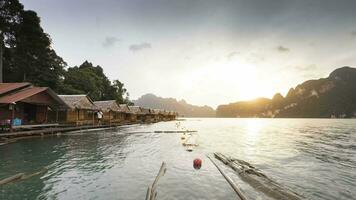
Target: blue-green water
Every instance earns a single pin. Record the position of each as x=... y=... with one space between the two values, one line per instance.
x=314 y=157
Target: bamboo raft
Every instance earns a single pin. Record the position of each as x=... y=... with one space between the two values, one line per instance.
x=257 y=179
x=186 y=131
x=22 y=176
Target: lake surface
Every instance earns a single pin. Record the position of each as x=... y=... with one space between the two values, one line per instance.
x=314 y=157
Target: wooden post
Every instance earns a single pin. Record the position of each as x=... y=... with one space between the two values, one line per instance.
x=12 y=117
x=77 y=116
x=93 y=118
x=56 y=115
x=110 y=117
x=46 y=115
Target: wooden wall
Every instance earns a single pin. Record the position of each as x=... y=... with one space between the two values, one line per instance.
x=79 y=117
x=113 y=117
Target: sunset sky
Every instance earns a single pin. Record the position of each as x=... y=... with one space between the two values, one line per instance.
x=208 y=52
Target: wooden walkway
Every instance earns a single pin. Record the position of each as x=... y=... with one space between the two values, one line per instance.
x=53 y=130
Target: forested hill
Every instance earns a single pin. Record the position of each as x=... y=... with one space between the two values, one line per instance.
x=28 y=56
x=182 y=107
x=334 y=96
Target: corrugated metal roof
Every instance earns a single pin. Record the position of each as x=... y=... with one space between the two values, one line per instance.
x=79 y=102
x=107 y=105
x=8 y=87
x=21 y=95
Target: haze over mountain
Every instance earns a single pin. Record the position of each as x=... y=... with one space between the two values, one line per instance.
x=182 y=107
x=334 y=96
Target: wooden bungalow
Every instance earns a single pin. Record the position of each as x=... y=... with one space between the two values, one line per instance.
x=112 y=113
x=82 y=110
x=129 y=115
x=171 y=115
x=147 y=115
x=165 y=114
x=156 y=114
x=23 y=104
x=137 y=110
x=161 y=115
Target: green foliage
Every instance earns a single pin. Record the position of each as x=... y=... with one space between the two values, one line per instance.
x=91 y=80
x=28 y=54
x=10 y=18
x=29 y=57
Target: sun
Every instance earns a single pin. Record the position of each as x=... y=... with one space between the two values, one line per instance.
x=234 y=80
x=246 y=78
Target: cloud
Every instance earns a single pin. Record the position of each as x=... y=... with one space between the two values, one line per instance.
x=283 y=49
x=353 y=33
x=306 y=68
x=110 y=41
x=139 y=47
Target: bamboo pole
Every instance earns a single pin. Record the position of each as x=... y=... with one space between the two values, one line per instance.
x=12 y=178
x=258 y=180
x=230 y=181
x=148 y=194
x=151 y=191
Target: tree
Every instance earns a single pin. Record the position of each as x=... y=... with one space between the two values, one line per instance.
x=28 y=55
x=9 y=18
x=91 y=80
x=121 y=94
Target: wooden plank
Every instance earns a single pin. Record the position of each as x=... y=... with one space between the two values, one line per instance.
x=49 y=130
x=34 y=126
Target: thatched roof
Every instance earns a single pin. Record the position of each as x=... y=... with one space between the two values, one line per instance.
x=146 y=111
x=79 y=102
x=136 y=109
x=156 y=111
x=124 y=108
x=106 y=106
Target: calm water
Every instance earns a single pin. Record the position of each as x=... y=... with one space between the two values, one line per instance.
x=314 y=157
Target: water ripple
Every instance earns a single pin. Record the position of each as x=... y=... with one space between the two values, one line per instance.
x=316 y=158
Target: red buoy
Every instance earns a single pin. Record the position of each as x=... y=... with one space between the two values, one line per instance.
x=197 y=163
